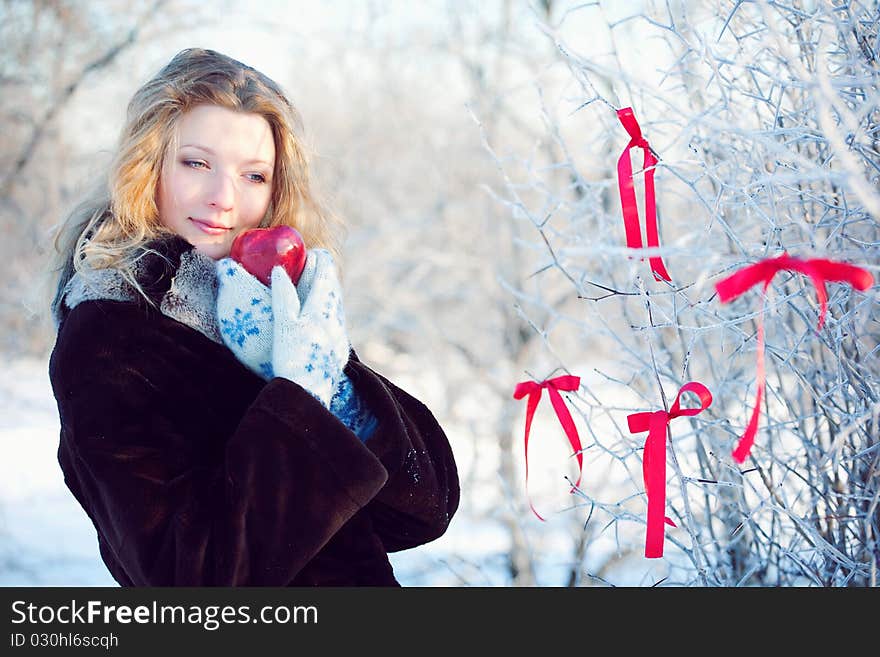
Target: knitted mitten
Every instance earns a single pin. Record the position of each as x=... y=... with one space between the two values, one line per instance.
x=245 y=318
x=310 y=343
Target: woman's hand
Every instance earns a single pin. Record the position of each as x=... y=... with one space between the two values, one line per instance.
x=310 y=343
x=296 y=332
x=244 y=316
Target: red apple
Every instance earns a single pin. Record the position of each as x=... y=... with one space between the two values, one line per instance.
x=258 y=250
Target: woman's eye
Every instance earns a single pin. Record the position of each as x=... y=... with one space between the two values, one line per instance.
x=198 y=164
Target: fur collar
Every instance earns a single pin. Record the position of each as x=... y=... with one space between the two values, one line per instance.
x=179 y=280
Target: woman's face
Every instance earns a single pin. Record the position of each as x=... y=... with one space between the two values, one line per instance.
x=219 y=182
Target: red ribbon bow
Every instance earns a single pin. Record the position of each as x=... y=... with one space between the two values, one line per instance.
x=534 y=389
x=654 y=460
x=820 y=271
x=628 y=193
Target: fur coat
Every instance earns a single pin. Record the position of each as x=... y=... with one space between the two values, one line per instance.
x=196 y=472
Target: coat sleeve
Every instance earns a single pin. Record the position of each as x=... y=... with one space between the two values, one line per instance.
x=173 y=511
x=421 y=495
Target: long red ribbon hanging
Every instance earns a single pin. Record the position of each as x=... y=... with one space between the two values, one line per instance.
x=534 y=389
x=820 y=271
x=628 y=193
x=654 y=460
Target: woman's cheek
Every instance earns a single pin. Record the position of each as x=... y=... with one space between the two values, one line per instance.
x=256 y=211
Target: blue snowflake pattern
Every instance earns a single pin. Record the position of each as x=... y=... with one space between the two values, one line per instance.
x=239 y=327
x=266 y=370
x=258 y=304
x=320 y=360
x=310 y=366
x=350 y=409
x=340 y=316
x=329 y=306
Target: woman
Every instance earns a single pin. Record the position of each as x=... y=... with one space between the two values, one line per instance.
x=216 y=431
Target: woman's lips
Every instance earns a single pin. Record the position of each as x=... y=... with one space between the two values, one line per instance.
x=209 y=228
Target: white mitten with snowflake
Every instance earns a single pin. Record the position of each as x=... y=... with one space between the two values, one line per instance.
x=310 y=343
x=244 y=316
x=245 y=319
x=244 y=313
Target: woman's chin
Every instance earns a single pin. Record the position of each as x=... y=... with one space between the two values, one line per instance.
x=214 y=250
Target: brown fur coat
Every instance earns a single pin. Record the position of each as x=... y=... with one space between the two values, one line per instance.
x=196 y=472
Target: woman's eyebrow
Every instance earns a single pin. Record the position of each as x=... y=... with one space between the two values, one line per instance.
x=210 y=152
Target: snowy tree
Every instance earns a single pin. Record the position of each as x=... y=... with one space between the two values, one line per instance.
x=764 y=117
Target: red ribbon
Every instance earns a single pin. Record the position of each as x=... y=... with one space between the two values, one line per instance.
x=628 y=193
x=534 y=390
x=820 y=271
x=654 y=460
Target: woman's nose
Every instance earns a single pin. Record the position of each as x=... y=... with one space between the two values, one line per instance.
x=222 y=193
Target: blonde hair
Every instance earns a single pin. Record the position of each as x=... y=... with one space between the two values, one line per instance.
x=112 y=225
